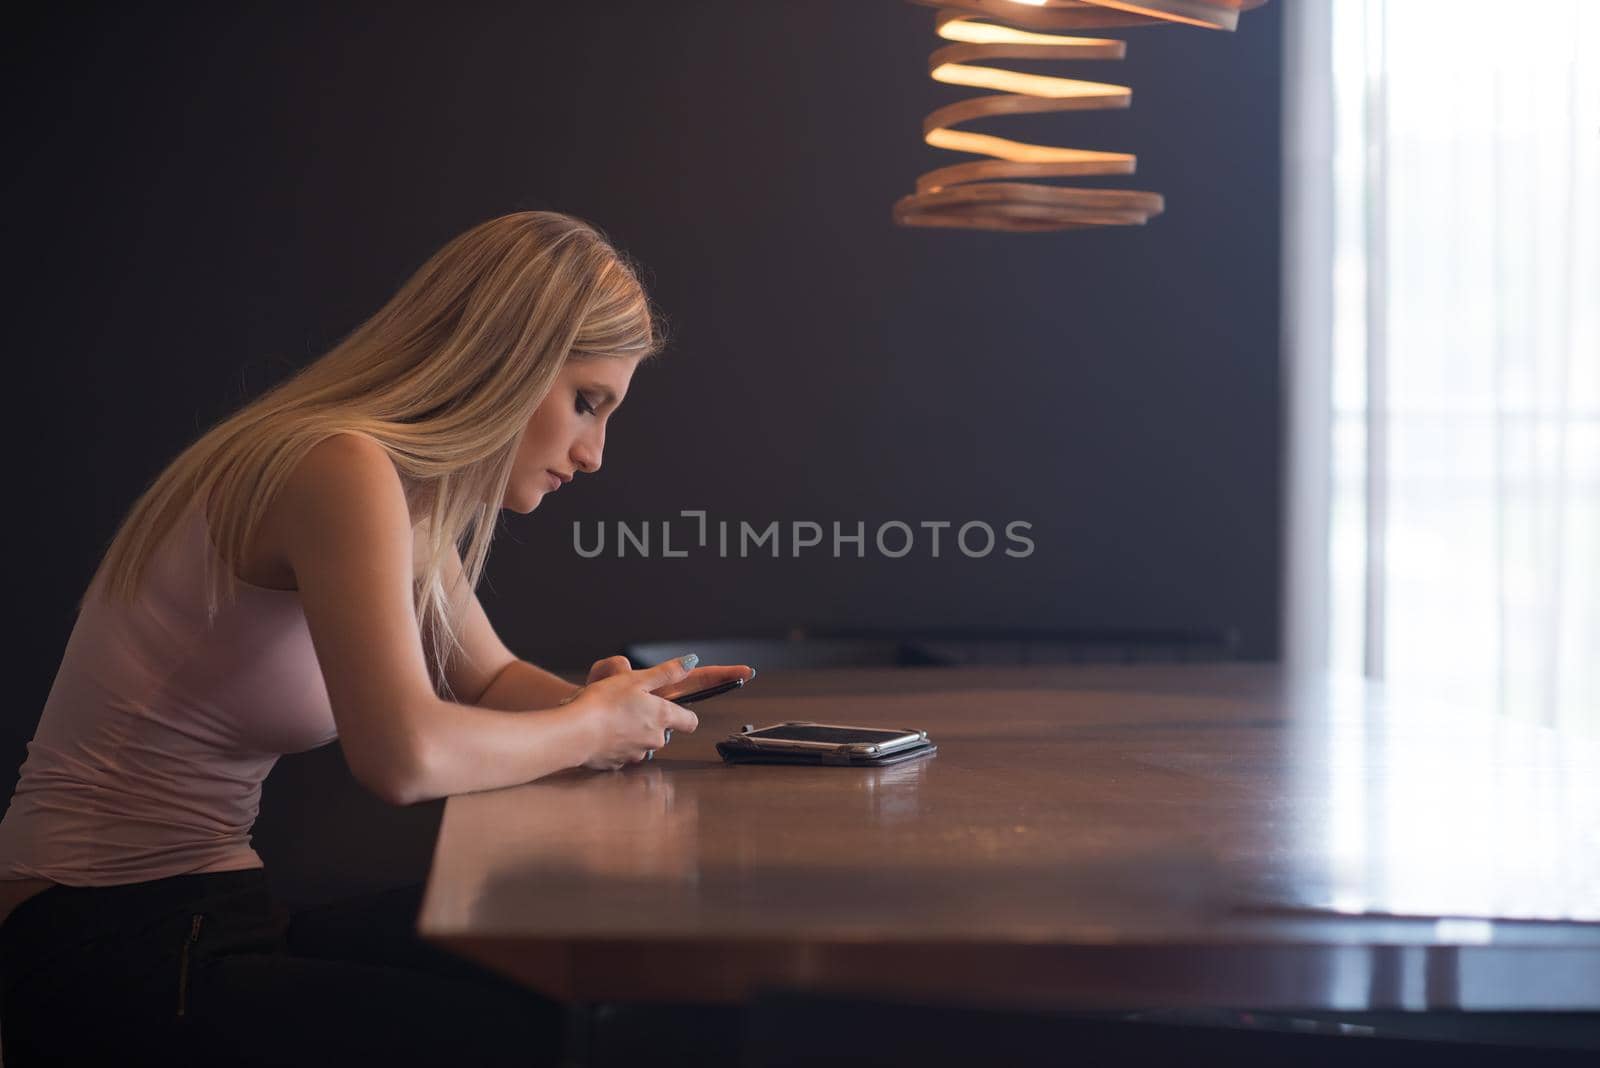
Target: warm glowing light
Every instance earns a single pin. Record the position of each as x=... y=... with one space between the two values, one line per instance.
x=1010 y=81
x=983 y=194
x=1017 y=151
x=1201 y=13
x=989 y=33
x=1189 y=12
x=1001 y=191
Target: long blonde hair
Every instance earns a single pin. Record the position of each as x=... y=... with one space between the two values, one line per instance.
x=444 y=377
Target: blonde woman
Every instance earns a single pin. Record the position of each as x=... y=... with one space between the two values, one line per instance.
x=305 y=571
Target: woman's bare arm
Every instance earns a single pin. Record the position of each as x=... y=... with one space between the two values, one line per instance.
x=482 y=671
x=466 y=748
x=343 y=526
x=521 y=684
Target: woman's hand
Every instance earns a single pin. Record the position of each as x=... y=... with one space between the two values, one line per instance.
x=634 y=709
x=699 y=679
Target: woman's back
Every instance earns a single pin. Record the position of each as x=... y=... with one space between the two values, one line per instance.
x=158 y=732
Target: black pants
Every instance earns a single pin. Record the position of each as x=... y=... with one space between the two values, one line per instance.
x=211 y=969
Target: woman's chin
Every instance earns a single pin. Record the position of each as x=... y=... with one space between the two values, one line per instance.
x=524 y=505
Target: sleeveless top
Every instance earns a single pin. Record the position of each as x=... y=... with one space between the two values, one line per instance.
x=159 y=729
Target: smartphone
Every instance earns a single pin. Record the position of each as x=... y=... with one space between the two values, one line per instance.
x=709 y=691
x=833 y=736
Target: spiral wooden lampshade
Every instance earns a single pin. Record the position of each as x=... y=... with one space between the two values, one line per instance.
x=981 y=194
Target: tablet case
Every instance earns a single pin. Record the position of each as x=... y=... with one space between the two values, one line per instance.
x=735 y=750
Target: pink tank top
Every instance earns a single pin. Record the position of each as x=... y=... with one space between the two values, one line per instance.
x=158 y=731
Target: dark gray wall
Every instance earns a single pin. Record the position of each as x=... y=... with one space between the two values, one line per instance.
x=204 y=197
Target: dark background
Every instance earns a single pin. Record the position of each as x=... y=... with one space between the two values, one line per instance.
x=203 y=198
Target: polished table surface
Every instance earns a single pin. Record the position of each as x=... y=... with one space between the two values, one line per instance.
x=1086 y=837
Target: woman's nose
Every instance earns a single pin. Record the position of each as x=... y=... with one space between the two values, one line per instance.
x=586 y=455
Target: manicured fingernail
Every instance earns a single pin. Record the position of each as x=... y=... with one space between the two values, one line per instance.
x=752 y=675
x=689 y=660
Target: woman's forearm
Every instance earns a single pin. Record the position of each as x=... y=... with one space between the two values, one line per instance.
x=459 y=749
x=521 y=686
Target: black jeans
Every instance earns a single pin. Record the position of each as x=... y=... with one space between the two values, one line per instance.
x=211 y=969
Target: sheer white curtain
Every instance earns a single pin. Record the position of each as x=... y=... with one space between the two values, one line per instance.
x=1443 y=329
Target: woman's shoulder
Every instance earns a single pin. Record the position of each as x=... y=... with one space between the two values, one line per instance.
x=345 y=481
x=342 y=461
x=342 y=473
x=351 y=451
x=343 y=490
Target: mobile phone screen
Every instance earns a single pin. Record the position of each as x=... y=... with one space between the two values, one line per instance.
x=826 y=734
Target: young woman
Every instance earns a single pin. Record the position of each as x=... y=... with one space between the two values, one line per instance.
x=298 y=575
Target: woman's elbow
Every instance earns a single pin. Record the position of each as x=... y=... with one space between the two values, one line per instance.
x=399 y=792
x=395 y=776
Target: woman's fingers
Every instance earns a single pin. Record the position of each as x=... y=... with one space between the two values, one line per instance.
x=667 y=672
x=679 y=718
x=611 y=665
x=682 y=675
x=636 y=720
x=706 y=677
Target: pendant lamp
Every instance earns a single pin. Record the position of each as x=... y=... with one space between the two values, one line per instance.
x=986 y=194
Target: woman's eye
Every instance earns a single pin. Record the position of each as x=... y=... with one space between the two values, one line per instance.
x=584 y=406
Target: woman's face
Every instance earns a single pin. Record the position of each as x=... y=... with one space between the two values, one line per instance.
x=567 y=432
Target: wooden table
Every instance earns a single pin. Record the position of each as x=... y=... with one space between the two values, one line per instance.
x=1086 y=837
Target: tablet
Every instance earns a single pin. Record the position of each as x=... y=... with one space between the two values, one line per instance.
x=799 y=742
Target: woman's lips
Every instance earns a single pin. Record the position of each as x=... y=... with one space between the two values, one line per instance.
x=555 y=480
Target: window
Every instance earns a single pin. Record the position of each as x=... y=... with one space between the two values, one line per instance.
x=1443 y=325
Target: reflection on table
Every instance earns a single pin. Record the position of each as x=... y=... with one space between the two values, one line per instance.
x=1180 y=835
